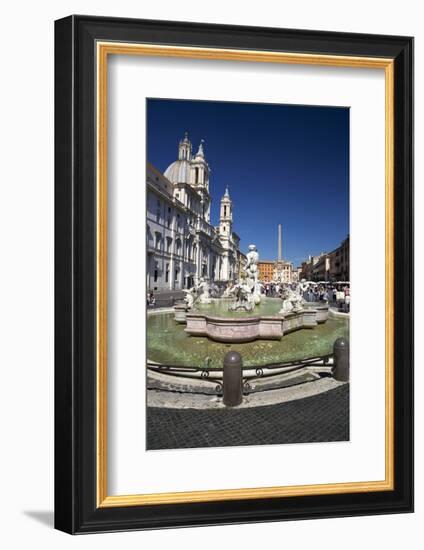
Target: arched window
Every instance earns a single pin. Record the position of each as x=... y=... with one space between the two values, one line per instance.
x=225 y=211
x=196 y=175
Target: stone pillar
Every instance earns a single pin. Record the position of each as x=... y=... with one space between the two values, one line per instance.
x=197 y=260
x=280 y=244
x=232 y=379
x=341 y=360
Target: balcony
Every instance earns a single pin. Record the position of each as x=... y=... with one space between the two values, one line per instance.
x=204 y=227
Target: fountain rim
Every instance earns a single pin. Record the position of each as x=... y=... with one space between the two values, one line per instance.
x=255 y=318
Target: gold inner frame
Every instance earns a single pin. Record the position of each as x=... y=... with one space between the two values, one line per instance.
x=104 y=49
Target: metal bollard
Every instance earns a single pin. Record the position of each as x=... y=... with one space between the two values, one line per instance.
x=232 y=379
x=341 y=360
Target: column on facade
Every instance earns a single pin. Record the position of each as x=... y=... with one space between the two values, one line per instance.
x=198 y=260
x=171 y=263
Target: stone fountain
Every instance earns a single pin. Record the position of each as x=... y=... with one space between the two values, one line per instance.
x=245 y=297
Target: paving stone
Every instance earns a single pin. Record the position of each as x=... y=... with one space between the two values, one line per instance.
x=320 y=418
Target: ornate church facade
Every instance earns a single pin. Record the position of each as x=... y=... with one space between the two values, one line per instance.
x=182 y=245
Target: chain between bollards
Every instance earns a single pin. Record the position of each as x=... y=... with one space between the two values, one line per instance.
x=233 y=379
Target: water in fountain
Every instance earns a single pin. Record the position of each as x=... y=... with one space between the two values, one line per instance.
x=168 y=343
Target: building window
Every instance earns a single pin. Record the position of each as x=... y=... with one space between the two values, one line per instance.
x=158 y=241
x=196 y=175
x=178 y=246
x=225 y=211
x=167 y=273
x=178 y=221
x=168 y=244
x=155 y=276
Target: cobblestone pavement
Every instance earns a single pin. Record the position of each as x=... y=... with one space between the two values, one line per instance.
x=323 y=417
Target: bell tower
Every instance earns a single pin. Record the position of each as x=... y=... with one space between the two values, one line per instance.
x=226 y=215
x=184 y=148
x=200 y=169
x=200 y=179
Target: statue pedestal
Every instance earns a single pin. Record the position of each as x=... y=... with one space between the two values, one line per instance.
x=180 y=312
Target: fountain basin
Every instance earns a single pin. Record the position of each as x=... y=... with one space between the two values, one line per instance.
x=247 y=329
x=169 y=344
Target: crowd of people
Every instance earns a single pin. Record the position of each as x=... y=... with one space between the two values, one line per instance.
x=335 y=294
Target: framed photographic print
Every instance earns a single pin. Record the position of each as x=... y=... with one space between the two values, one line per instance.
x=234 y=288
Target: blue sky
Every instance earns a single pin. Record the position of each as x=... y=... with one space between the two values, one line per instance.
x=285 y=164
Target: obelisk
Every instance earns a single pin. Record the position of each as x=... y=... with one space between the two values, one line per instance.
x=280 y=244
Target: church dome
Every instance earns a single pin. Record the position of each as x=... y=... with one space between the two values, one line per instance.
x=178 y=171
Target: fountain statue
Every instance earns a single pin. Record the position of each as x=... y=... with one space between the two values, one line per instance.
x=215 y=291
x=200 y=293
x=247 y=292
x=229 y=291
x=190 y=297
x=252 y=271
x=243 y=297
x=292 y=300
x=203 y=289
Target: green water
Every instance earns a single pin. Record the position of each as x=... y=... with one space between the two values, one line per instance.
x=167 y=343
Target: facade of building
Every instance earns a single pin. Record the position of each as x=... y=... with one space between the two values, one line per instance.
x=266 y=270
x=182 y=245
x=276 y=271
x=332 y=266
x=321 y=268
x=308 y=271
x=283 y=271
x=339 y=262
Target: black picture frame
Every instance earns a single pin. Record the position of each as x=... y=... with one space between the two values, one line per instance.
x=76 y=509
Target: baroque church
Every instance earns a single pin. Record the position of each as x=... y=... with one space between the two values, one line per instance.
x=182 y=245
